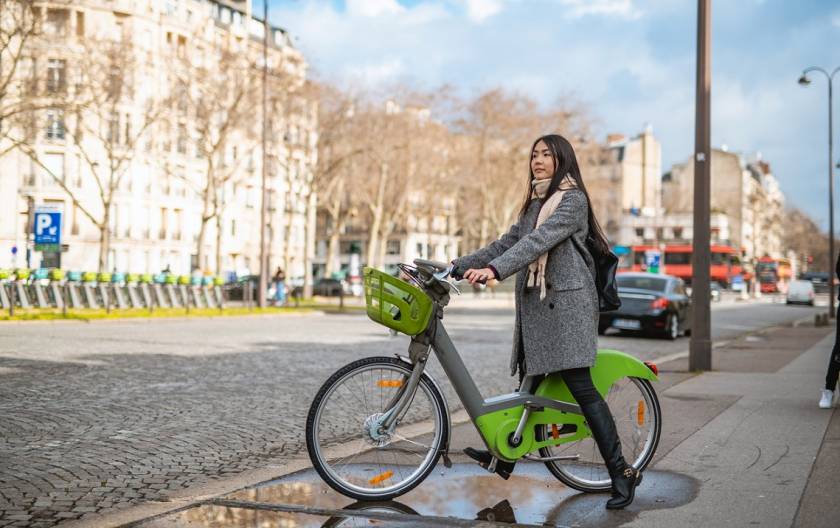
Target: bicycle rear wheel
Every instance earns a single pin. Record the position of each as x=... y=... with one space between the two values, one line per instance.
x=638 y=420
x=348 y=451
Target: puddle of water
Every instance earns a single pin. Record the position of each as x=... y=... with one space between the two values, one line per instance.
x=465 y=492
x=219 y=517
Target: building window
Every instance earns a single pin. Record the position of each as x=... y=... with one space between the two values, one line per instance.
x=56 y=76
x=127 y=128
x=114 y=128
x=182 y=139
x=640 y=232
x=678 y=232
x=114 y=83
x=56 y=24
x=55 y=124
x=392 y=247
x=163 y=223
x=80 y=24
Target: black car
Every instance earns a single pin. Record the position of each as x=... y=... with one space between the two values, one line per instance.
x=236 y=291
x=818 y=278
x=650 y=303
x=329 y=287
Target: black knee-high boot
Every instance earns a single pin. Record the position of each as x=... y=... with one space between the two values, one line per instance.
x=624 y=477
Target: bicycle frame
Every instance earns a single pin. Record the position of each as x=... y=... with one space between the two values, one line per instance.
x=507 y=422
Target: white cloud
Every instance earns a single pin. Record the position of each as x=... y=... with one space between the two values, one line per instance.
x=374 y=74
x=835 y=19
x=373 y=8
x=620 y=8
x=479 y=10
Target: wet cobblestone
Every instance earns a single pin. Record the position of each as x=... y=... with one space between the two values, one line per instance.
x=100 y=417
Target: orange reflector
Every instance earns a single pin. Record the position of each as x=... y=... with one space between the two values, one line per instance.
x=389 y=383
x=555 y=433
x=381 y=477
x=640 y=412
x=652 y=366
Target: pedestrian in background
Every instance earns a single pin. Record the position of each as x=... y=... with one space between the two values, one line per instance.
x=827 y=396
x=556 y=326
x=279 y=287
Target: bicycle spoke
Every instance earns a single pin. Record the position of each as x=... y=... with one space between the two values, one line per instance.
x=377 y=464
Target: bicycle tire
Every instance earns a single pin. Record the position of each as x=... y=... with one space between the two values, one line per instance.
x=317 y=456
x=557 y=468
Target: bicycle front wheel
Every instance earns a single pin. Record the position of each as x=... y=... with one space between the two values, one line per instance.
x=638 y=420
x=351 y=454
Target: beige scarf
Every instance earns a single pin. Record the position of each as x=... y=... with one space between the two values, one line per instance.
x=536 y=269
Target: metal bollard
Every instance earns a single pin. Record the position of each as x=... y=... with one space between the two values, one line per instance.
x=66 y=288
x=14 y=300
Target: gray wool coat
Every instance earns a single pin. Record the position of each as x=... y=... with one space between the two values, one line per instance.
x=561 y=331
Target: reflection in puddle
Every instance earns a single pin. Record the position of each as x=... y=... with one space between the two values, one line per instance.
x=465 y=492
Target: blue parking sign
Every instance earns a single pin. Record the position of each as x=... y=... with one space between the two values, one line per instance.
x=47 y=227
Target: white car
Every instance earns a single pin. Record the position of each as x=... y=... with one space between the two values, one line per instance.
x=800 y=292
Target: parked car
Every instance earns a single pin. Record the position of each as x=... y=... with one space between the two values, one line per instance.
x=818 y=279
x=235 y=291
x=801 y=292
x=650 y=303
x=715 y=290
x=330 y=287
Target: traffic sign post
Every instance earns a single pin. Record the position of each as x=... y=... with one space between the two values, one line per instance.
x=47 y=228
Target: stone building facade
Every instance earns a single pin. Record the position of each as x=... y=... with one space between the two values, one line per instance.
x=155 y=215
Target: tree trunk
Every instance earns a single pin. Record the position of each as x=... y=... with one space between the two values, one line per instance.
x=309 y=249
x=336 y=227
x=205 y=219
x=202 y=232
x=104 y=238
x=219 y=225
x=383 y=244
x=376 y=221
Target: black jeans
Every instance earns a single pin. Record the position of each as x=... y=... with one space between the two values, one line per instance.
x=579 y=381
x=833 y=363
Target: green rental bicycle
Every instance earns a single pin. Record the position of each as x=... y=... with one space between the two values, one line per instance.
x=378 y=426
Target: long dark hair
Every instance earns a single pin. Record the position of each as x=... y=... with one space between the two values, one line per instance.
x=565 y=162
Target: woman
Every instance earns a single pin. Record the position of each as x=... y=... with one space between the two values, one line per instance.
x=556 y=300
x=833 y=372
x=279 y=280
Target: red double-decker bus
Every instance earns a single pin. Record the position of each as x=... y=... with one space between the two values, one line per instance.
x=773 y=274
x=725 y=262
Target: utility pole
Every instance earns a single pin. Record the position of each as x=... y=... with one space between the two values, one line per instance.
x=264 y=202
x=700 y=349
x=30 y=215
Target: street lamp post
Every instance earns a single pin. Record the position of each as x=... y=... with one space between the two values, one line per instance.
x=805 y=81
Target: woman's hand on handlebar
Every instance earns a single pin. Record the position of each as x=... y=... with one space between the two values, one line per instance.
x=479 y=275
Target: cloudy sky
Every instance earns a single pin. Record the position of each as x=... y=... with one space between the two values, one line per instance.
x=631 y=61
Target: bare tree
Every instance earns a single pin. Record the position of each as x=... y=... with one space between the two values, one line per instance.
x=98 y=114
x=339 y=147
x=18 y=86
x=212 y=107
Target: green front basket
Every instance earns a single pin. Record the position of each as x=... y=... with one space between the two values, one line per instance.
x=396 y=303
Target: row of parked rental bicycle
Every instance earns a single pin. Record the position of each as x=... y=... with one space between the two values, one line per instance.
x=53 y=288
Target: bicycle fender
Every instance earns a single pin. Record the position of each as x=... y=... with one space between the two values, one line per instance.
x=610 y=366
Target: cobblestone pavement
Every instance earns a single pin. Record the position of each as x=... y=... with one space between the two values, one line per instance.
x=95 y=417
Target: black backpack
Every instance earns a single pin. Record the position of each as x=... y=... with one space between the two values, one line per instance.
x=606 y=265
